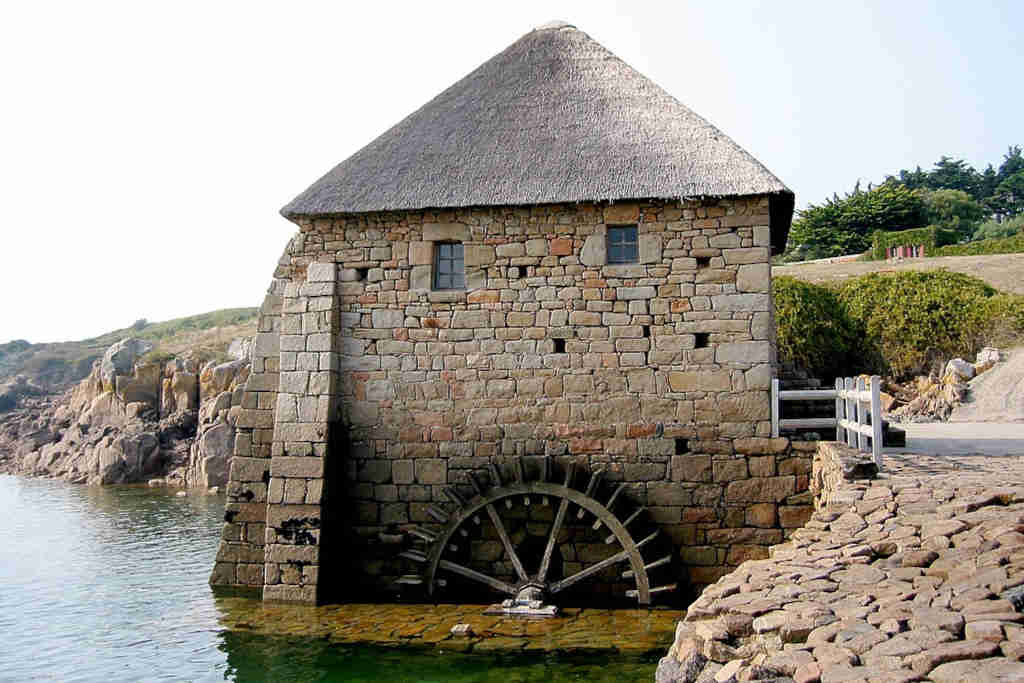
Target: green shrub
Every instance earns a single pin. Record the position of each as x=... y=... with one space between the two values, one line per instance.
x=918 y=319
x=1004 y=245
x=992 y=230
x=813 y=330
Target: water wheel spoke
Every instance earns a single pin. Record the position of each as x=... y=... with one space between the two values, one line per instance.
x=592 y=569
x=556 y=527
x=495 y=474
x=507 y=542
x=474 y=575
x=647 y=567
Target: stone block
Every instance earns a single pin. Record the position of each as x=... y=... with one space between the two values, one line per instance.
x=386 y=318
x=561 y=247
x=754 y=277
x=744 y=256
x=761 y=515
x=761 y=466
x=595 y=251
x=668 y=494
x=699 y=555
x=743 y=352
x=794 y=516
x=733 y=469
x=321 y=272
x=629 y=293
x=248 y=469
x=649 y=248
x=640 y=381
x=728 y=240
x=419 y=278
x=624 y=213
x=752 y=406
x=296 y=467
x=471 y=319
x=511 y=250
x=421 y=253
x=266 y=344
x=691 y=468
x=762 y=236
x=431 y=471
x=760 y=490
x=478 y=254
x=445 y=232
x=740 y=302
x=644 y=471
x=761 y=326
x=537 y=247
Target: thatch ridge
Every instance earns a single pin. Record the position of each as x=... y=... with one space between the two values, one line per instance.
x=553 y=118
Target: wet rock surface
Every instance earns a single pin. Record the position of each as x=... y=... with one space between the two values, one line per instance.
x=574 y=631
x=913 y=574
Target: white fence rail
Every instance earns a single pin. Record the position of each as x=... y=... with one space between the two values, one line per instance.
x=855 y=404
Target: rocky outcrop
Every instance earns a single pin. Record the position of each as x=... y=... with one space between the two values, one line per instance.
x=15 y=390
x=131 y=420
x=909 y=574
x=930 y=398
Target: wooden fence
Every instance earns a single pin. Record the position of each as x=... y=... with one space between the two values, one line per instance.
x=858 y=412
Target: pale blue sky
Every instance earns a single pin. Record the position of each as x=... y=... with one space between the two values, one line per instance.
x=146 y=148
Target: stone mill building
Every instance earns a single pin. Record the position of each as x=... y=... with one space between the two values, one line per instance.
x=523 y=338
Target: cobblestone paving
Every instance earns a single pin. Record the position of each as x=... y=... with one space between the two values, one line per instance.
x=909 y=576
x=634 y=631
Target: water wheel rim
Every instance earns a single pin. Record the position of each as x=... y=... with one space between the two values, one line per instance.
x=495 y=494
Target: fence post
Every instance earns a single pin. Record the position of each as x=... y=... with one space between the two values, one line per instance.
x=862 y=418
x=776 y=407
x=840 y=410
x=851 y=411
x=876 y=419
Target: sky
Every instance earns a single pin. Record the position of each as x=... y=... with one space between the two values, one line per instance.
x=147 y=147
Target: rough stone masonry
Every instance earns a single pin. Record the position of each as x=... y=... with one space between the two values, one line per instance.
x=370 y=390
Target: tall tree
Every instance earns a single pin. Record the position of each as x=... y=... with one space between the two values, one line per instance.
x=954 y=174
x=953 y=210
x=843 y=225
x=1013 y=162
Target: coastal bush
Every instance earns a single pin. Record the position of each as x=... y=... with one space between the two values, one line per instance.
x=898 y=324
x=1005 y=245
x=813 y=330
x=919 y=319
x=993 y=230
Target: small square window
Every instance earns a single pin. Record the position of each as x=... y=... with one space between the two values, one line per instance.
x=449 y=271
x=622 y=245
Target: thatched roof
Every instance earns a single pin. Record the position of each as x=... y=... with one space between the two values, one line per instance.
x=554 y=118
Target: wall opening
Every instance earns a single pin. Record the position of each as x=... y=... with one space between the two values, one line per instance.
x=701 y=340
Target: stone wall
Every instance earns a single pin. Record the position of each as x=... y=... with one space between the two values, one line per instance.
x=658 y=372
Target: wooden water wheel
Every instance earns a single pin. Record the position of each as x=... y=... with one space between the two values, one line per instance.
x=437 y=549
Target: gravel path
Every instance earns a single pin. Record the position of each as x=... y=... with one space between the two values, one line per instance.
x=996 y=395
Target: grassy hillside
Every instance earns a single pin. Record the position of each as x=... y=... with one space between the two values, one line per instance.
x=1001 y=271
x=58 y=364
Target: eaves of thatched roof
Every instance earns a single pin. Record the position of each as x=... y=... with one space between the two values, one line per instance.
x=554 y=118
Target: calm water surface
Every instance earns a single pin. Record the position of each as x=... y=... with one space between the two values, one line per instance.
x=109 y=584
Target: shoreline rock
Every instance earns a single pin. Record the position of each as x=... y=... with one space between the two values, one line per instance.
x=130 y=421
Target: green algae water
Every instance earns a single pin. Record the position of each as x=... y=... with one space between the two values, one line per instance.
x=109 y=584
